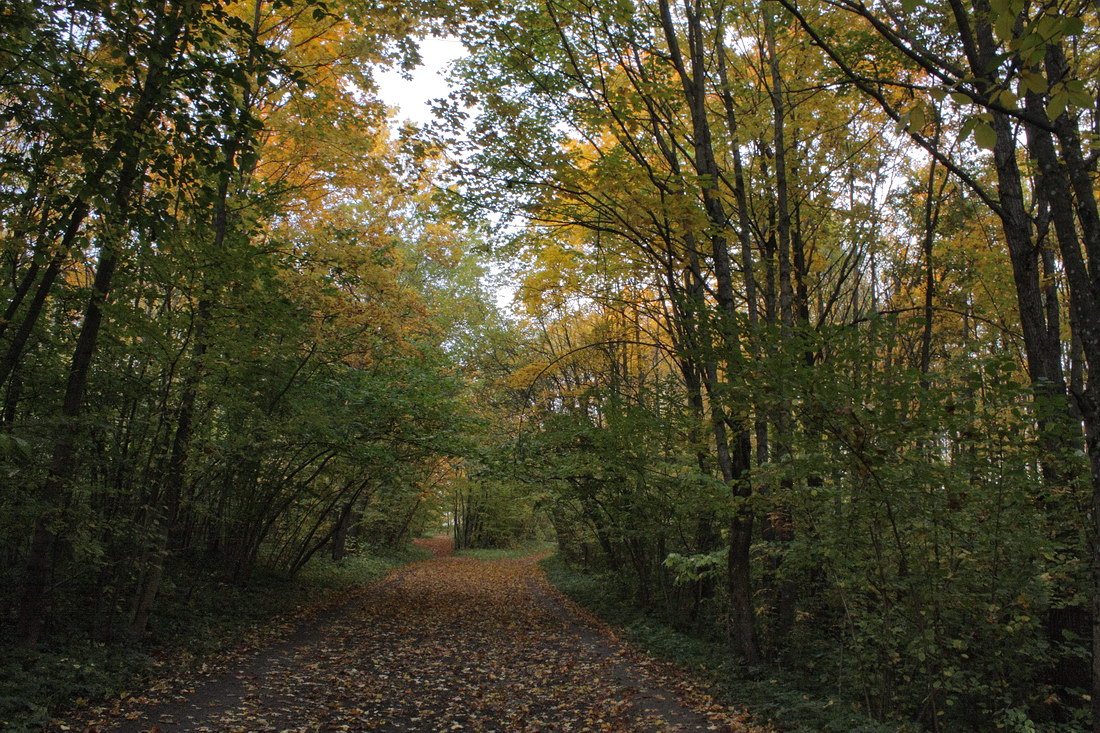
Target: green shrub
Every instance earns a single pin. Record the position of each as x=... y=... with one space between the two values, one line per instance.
x=770 y=694
x=197 y=615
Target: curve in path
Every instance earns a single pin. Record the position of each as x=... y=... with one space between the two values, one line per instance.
x=449 y=643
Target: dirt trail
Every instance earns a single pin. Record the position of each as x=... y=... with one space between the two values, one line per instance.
x=449 y=643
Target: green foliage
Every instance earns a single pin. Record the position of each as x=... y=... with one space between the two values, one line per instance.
x=33 y=685
x=693 y=568
x=229 y=297
x=197 y=617
x=772 y=695
x=922 y=586
x=922 y=552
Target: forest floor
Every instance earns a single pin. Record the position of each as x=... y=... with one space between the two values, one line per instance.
x=448 y=643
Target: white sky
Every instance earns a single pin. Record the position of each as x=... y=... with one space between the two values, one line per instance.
x=411 y=97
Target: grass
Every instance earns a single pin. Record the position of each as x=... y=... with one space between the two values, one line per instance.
x=772 y=695
x=195 y=618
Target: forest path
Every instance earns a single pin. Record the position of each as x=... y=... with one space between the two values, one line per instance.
x=449 y=643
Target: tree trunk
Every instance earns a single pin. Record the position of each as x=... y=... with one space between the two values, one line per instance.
x=732 y=469
x=32 y=607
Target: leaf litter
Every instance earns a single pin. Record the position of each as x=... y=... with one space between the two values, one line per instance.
x=446 y=644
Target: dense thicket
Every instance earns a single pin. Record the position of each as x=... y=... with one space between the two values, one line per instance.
x=227 y=296
x=810 y=300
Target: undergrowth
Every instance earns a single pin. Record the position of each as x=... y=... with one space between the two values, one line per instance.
x=770 y=694
x=195 y=617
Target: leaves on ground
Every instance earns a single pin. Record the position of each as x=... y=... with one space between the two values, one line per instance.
x=450 y=643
